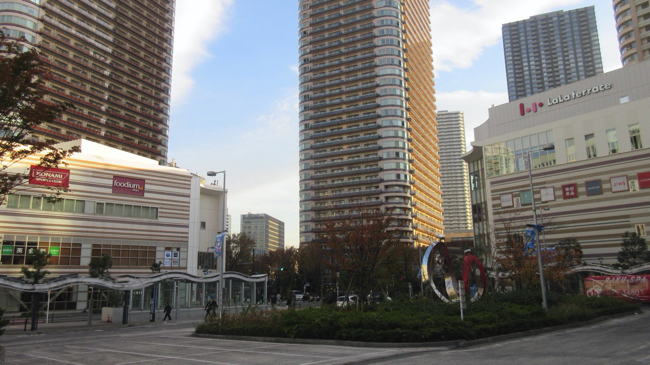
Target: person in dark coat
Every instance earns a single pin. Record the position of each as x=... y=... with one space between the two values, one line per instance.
x=208 y=308
x=214 y=306
x=168 y=311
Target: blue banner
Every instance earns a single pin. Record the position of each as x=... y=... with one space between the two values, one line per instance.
x=529 y=241
x=218 y=243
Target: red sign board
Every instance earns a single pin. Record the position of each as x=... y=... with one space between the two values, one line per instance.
x=570 y=191
x=629 y=287
x=49 y=176
x=128 y=186
x=644 y=180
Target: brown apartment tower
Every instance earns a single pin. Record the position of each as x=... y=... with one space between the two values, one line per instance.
x=633 y=28
x=111 y=59
x=368 y=133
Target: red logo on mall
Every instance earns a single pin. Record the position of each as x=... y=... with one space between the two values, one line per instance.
x=523 y=110
x=127 y=185
x=49 y=176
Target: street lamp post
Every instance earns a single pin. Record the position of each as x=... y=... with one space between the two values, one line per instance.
x=222 y=282
x=541 y=212
x=539 y=253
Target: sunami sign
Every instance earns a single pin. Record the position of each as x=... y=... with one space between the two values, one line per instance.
x=127 y=185
x=48 y=176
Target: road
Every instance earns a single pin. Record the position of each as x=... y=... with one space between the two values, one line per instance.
x=624 y=340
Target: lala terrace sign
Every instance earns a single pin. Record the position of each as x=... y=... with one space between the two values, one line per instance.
x=564 y=98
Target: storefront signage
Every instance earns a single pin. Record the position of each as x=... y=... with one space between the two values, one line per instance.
x=127 y=185
x=570 y=191
x=54 y=251
x=578 y=94
x=629 y=287
x=526 y=197
x=49 y=176
x=523 y=109
x=619 y=183
x=176 y=263
x=7 y=250
x=594 y=187
x=506 y=200
x=644 y=180
x=547 y=194
x=167 y=262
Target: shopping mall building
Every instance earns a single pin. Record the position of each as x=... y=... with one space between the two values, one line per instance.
x=589 y=146
x=118 y=203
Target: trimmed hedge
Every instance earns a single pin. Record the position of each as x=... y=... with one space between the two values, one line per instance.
x=420 y=321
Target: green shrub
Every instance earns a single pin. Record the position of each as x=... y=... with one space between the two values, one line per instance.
x=419 y=320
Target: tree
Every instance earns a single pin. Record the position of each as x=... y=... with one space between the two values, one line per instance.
x=363 y=248
x=156 y=266
x=39 y=260
x=634 y=250
x=99 y=267
x=282 y=268
x=22 y=110
x=239 y=252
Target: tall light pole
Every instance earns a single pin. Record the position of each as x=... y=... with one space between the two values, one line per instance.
x=222 y=282
x=539 y=253
x=541 y=212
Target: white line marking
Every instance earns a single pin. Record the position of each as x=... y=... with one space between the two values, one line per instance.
x=156 y=356
x=46 y=358
x=339 y=359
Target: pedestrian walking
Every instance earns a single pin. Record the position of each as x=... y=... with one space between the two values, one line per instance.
x=208 y=308
x=214 y=306
x=168 y=311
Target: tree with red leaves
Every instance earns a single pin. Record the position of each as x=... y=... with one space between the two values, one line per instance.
x=22 y=110
x=364 y=249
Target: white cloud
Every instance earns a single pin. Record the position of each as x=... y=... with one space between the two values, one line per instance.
x=197 y=23
x=295 y=69
x=460 y=34
x=474 y=104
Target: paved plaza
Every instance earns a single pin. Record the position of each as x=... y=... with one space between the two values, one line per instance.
x=624 y=340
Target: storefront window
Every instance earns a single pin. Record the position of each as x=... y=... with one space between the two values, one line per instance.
x=612 y=141
x=590 y=143
x=635 y=137
x=570 y=150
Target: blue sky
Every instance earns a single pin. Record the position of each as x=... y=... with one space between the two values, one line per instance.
x=235 y=81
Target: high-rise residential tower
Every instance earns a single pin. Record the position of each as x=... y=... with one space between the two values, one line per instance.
x=551 y=50
x=266 y=231
x=111 y=59
x=633 y=28
x=455 y=184
x=368 y=133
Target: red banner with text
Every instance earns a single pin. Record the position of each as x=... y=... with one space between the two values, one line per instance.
x=628 y=287
x=49 y=176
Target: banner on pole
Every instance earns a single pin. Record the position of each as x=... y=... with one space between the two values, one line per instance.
x=529 y=243
x=218 y=243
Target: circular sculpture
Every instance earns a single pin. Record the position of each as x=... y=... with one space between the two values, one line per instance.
x=437 y=261
x=474 y=290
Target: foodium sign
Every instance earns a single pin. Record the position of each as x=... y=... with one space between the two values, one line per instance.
x=127 y=185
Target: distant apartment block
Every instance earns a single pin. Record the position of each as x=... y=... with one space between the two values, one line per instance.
x=266 y=231
x=633 y=28
x=455 y=183
x=112 y=59
x=550 y=50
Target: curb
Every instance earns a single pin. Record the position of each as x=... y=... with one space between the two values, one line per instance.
x=85 y=328
x=305 y=341
x=454 y=344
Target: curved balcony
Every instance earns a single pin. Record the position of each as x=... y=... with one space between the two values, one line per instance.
x=344 y=131
x=346 y=100
x=338 y=43
x=347 y=79
x=345 y=151
x=347 y=183
x=347 y=90
x=345 y=195
x=345 y=141
x=349 y=205
x=333 y=7
x=341 y=52
x=343 y=121
x=346 y=173
x=346 y=110
x=347 y=69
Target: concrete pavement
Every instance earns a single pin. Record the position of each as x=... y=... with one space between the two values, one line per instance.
x=624 y=340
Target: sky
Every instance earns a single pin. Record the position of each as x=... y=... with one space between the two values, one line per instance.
x=235 y=87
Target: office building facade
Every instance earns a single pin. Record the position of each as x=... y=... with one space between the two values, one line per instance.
x=455 y=186
x=266 y=231
x=112 y=60
x=368 y=133
x=633 y=29
x=593 y=186
x=550 y=50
